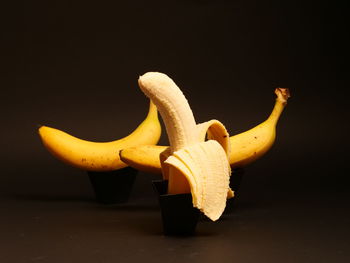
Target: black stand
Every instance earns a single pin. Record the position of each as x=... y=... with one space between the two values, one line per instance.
x=113 y=187
x=235 y=183
x=178 y=214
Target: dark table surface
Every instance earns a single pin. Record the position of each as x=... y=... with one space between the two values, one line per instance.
x=279 y=216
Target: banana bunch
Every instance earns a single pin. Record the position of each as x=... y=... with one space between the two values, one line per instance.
x=199 y=159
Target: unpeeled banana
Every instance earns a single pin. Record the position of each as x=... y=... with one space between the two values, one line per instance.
x=247 y=146
x=254 y=143
x=99 y=156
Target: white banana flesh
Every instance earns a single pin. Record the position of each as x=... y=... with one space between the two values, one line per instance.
x=173 y=107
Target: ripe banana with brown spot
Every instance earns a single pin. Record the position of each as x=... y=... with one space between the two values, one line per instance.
x=191 y=164
x=247 y=146
x=99 y=156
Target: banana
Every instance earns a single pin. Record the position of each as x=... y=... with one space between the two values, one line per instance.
x=191 y=164
x=254 y=143
x=248 y=146
x=99 y=156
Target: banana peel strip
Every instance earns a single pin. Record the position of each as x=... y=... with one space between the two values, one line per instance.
x=207 y=170
x=213 y=130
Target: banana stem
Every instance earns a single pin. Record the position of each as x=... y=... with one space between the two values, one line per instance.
x=281 y=102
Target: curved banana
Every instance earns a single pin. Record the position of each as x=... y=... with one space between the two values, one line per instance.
x=191 y=164
x=99 y=156
x=247 y=146
x=254 y=143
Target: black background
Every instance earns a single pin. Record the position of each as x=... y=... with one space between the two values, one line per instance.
x=74 y=66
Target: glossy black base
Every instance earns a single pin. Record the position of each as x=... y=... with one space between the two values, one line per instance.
x=178 y=214
x=113 y=187
x=235 y=183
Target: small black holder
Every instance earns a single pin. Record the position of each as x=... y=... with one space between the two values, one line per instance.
x=237 y=175
x=178 y=214
x=235 y=183
x=113 y=187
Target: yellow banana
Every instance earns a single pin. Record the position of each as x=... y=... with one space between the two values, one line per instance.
x=191 y=164
x=254 y=143
x=99 y=156
x=247 y=146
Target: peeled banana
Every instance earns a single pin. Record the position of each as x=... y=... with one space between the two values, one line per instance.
x=99 y=156
x=191 y=164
